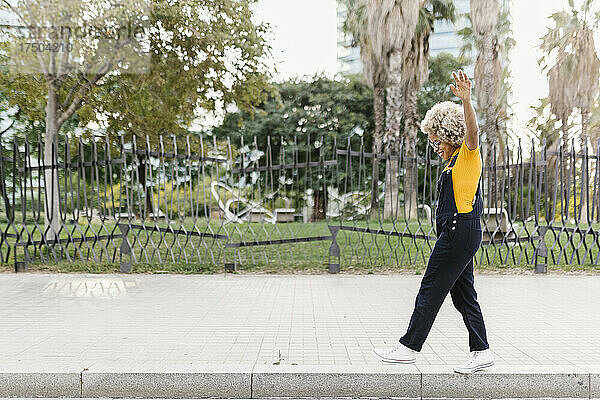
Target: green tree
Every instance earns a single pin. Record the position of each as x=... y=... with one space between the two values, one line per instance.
x=303 y=112
x=182 y=56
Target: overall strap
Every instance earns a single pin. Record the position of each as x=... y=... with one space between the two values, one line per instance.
x=477 y=192
x=452 y=161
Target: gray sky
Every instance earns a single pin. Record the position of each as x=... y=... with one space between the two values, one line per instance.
x=305 y=34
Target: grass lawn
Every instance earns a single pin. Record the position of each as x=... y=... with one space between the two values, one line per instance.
x=361 y=252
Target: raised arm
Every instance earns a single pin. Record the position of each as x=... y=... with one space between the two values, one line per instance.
x=462 y=90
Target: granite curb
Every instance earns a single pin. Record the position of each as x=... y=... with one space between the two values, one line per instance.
x=312 y=381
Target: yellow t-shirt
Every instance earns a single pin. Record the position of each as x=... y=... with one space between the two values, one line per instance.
x=465 y=176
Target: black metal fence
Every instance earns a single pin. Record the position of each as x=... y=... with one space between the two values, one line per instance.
x=283 y=202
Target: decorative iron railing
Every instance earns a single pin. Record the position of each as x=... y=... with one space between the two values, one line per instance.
x=283 y=202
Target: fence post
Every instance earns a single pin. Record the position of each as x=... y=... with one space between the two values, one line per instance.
x=334 y=250
x=228 y=258
x=22 y=266
x=229 y=266
x=541 y=250
x=125 y=249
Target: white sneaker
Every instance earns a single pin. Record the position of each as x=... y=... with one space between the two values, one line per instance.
x=479 y=360
x=396 y=354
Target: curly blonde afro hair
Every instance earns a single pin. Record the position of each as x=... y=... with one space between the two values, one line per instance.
x=447 y=121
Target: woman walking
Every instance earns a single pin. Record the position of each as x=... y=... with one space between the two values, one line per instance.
x=453 y=133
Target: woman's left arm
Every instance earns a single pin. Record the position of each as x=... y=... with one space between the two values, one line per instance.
x=462 y=90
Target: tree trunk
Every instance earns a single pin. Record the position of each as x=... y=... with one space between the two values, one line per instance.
x=565 y=170
x=393 y=120
x=411 y=182
x=491 y=160
x=585 y=115
x=379 y=111
x=319 y=205
x=51 y=203
x=488 y=75
x=149 y=208
x=390 y=205
x=552 y=177
x=10 y=212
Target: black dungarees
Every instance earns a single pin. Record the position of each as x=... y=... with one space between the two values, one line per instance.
x=450 y=269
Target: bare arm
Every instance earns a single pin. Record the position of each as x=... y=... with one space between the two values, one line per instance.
x=462 y=90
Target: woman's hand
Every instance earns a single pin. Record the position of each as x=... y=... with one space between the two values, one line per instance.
x=462 y=90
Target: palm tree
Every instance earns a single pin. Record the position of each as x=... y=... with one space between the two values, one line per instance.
x=594 y=128
x=574 y=79
x=488 y=68
x=395 y=78
x=505 y=43
x=391 y=27
x=415 y=72
x=356 y=23
x=489 y=32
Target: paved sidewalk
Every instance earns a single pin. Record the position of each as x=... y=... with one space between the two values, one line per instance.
x=122 y=321
x=290 y=319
